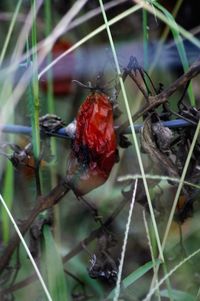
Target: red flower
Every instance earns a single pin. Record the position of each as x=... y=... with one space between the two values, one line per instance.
x=93 y=151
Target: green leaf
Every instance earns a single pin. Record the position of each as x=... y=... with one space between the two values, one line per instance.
x=177 y=295
x=8 y=192
x=180 y=47
x=8 y=181
x=34 y=100
x=54 y=268
x=134 y=276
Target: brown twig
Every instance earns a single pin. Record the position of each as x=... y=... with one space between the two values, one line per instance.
x=155 y=101
x=140 y=87
x=43 y=203
x=80 y=246
x=77 y=249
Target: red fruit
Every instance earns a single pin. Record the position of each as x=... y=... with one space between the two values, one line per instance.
x=93 y=151
x=62 y=72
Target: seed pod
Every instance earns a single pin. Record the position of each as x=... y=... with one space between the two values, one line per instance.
x=93 y=151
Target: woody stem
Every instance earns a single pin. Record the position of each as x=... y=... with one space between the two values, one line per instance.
x=43 y=203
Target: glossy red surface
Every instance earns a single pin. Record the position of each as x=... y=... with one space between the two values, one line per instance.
x=94 y=148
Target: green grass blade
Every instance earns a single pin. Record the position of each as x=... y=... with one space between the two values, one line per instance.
x=92 y=34
x=134 y=276
x=178 y=295
x=140 y=272
x=156 y=177
x=48 y=28
x=8 y=192
x=10 y=30
x=54 y=268
x=180 y=186
x=51 y=109
x=180 y=47
x=164 y=36
x=8 y=183
x=35 y=87
x=151 y=248
x=171 y=272
x=153 y=10
x=124 y=245
x=132 y=131
x=26 y=248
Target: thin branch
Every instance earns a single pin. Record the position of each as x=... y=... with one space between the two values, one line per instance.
x=140 y=87
x=43 y=203
x=76 y=250
x=27 y=249
x=124 y=246
x=62 y=133
x=60 y=190
x=155 y=101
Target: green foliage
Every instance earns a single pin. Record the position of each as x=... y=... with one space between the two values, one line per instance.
x=35 y=103
x=134 y=276
x=180 y=47
x=178 y=295
x=8 y=194
x=53 y=267
x=76 y=223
